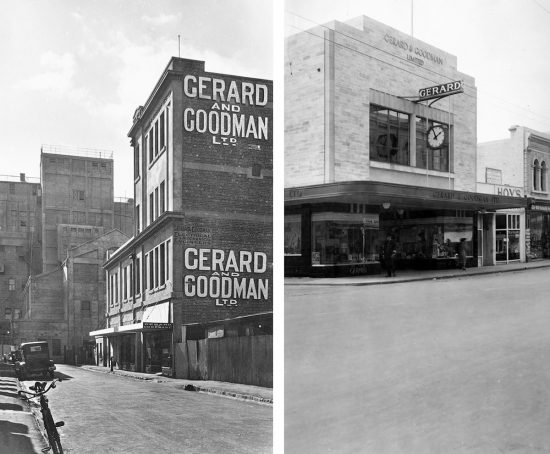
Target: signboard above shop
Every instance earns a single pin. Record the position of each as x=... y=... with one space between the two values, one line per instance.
x=441 y=90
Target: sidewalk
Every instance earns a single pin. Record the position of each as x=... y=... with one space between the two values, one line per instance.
x=19 y=431
x=417 y=275
x=234 y=390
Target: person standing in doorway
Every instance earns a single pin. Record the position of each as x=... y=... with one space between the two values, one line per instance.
x=389 y=256
x=462 y=254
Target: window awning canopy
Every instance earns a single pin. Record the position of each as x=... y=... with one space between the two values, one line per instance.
x=404 y=196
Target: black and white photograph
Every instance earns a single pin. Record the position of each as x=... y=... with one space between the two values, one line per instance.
x=136 y=227
x=416 y=227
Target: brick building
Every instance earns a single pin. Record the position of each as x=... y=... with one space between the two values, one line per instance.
x=363 y=102
x=518 y=166
x=20 y=251
x=75 y=201
x=200 y=263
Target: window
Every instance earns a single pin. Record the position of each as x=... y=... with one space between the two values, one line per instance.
x=436 y=159
x=162 y=268
x=543 y=177
x=159 y=265
x=293 y=235
x=138 y=219
x=389 y=135
x=344 y=237
x=78 y=194
x=151 y=208
x=56 y=347
x=12 y=188
x=137 y=160
x=162 y=198
x=162 y=130
x=116 y=288
x=85 y=309
x=124 y=283
x=151 y=272
x=7 y=313
x=16 y=314
x=11 y=284
x=149 y=140
x=138 y=276
x=156 y=202
x=536 y=175
x=507 y=232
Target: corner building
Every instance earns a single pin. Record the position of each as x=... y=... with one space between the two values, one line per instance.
x=195 y=281
x=357 y=163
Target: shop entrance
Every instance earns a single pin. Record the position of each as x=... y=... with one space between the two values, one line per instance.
x=158 y=350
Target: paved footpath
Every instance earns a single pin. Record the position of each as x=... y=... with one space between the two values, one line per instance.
x=417 y=275
x=19 y=433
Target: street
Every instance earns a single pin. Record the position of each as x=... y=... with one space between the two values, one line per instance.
x=109 y=413
x=441 y=366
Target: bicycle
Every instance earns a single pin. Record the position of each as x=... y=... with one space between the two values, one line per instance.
x=49 y=424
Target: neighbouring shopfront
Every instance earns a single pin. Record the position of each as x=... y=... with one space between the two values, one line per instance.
x=538 y=228
x=328 y=231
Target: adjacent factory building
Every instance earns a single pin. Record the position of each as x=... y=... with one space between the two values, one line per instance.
x=190 y=294
x=380 y=139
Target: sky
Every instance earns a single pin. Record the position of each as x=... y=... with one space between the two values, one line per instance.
x=503 y=44
x=73 y=72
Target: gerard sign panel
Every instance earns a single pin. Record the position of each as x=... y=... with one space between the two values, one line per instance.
x=226 y=277
x=439 y=91
x=227 y=110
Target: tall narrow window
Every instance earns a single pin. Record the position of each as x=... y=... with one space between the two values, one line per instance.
x=162 y=258
x=536 y=175
x=168 y=260
x=156 y=148
x=156 y=253
x=138 y=219
x=151 y=208
x=137 y=159
x=149 y=139
x=138 y=276
x=543 y=177
x=162 y=130
x=157 y=203
x=162 y=198
x=151 y=271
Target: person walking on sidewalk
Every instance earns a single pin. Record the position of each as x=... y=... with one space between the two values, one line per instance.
x=389 y=256
x=462 y=254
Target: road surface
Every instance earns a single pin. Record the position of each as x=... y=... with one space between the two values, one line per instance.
x=444 y=366
x=106 y=413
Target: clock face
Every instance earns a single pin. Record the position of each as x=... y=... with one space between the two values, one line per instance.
x=436 y=137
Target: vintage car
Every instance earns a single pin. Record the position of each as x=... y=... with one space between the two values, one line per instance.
x=33 y=358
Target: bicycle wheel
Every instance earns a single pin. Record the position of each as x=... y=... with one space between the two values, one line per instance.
x=51 y=432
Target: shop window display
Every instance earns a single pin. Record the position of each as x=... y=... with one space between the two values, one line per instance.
x=423 y=239
x=539 y=238
x=293 y=235
x=339 y=238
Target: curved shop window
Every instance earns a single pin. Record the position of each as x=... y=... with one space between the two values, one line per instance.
x=293 y=234
x=507 y=237
x=342 y=238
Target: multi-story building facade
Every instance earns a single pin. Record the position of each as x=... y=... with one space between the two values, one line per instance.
x=78 y=202
x=518 y=166
x=200 y=263
x=363 y=102
x=20 y=251
x=75 y=201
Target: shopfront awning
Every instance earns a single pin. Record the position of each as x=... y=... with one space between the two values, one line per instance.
x=415 y=197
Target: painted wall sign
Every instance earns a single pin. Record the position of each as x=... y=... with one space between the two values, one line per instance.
x=509 y=191
x=221 y=114
x=438 y=91
x=227 y=277
x=192 y=234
